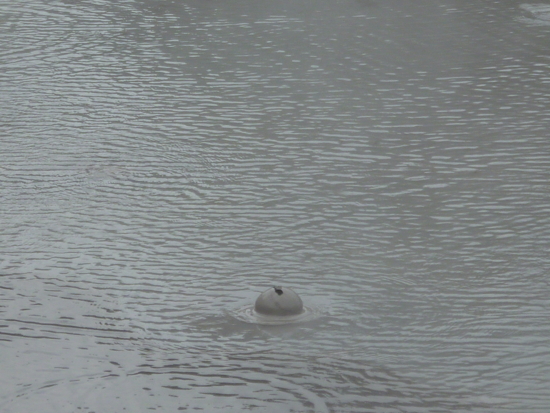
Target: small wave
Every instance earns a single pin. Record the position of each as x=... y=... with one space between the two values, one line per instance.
x=535 y=14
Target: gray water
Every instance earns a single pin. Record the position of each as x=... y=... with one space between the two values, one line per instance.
x=164 y=162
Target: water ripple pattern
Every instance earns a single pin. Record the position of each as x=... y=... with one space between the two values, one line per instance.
x=163 y=163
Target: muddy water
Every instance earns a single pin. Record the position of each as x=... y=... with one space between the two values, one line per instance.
x=163 y=163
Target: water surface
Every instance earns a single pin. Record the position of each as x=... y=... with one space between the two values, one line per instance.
x=163 y=163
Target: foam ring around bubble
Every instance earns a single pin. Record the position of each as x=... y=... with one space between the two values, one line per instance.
x=249 y=315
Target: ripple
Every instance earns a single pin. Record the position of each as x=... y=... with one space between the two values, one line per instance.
x=249 y=315
x=165 y=161
x=536 y=14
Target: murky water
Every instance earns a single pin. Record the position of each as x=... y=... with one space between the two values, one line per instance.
x=164 y=162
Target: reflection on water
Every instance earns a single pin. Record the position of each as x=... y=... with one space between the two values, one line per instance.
x=165 y=162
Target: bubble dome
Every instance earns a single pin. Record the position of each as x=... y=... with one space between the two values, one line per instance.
x=279 y=301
